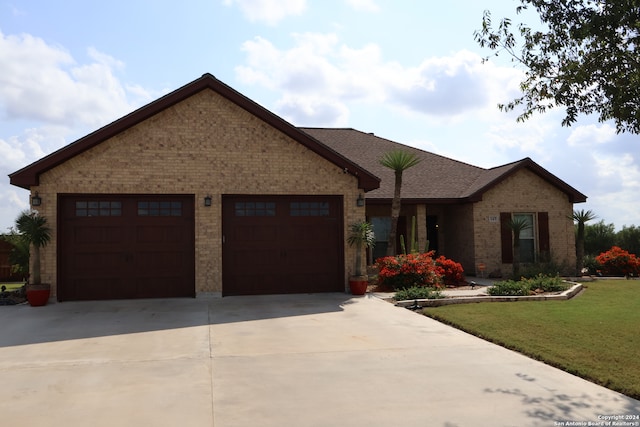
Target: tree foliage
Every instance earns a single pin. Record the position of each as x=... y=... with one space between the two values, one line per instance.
x=585 y=58
x=629 y=239
x=398 y=161
x=598 y=237
x=580 y=218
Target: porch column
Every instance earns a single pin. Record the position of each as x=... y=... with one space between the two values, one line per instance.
x=421 y=225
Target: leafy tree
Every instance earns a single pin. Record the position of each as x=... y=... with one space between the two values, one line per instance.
x=581 y=217
x=598 y=238
x=398 y=161
x=585 y=58
x=629 y=239
x=19 y=254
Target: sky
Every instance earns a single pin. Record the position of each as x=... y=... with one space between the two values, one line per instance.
x=406 y=70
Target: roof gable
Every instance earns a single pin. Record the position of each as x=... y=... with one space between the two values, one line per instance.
x=29 y=175
x=493 y=176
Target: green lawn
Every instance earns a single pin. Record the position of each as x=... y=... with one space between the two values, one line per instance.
x=595 y=335
x=12 y=286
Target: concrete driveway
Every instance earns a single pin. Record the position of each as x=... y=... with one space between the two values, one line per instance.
x=294 y=360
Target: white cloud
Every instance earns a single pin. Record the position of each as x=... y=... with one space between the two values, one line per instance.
x=364 y=5
x=334 y=74
x=269 y=11
x=46 y=98
x=588 y=135
x=44 y=83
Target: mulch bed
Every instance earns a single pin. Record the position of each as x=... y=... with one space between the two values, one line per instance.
x=19 y=296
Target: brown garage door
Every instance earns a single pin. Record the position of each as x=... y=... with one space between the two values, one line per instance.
x=282 y=244
x=124 y=246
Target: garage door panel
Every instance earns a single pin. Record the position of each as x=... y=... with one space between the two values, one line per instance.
x=252 y=234
x=98 y=262
x=294 y=246
x=121 y=249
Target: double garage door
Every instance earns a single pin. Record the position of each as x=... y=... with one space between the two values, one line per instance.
x=142 y=246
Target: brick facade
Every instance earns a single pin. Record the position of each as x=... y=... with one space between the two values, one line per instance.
x=523 y=192
x=203 y=145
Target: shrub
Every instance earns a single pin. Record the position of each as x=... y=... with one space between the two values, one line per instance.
x=417 y=292
x=618 y=262
x=525 y=286
x=450 y=271
x=509 y=288
x=547 y=283
x=549 y=268
x=405 y=271
x=591 y=266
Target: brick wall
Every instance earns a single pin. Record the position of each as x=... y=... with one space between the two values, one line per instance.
x=523 y=192
x=204 y=145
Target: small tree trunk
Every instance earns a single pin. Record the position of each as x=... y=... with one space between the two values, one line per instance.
x=358 y=271
x=580 y=249
x=36 y=279
x=516 y=256
x=395 y=214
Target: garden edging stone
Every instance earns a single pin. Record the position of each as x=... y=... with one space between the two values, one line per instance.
x=568 y=294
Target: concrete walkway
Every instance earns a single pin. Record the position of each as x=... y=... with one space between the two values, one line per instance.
x=293 y=360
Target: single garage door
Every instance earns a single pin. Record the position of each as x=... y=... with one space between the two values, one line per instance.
x=125 y=246
x=282 y=244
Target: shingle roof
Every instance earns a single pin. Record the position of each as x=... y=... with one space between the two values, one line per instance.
x=436 y=179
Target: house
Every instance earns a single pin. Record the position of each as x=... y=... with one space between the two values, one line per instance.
x=203 y=191
x=462 y=210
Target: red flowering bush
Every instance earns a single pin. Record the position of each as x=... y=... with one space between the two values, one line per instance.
x=418 y=269
x=618 y=262
x=451 y=272
x=405 y=271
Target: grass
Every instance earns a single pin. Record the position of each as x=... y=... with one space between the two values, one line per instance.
x=12 y=286
x=594 y=335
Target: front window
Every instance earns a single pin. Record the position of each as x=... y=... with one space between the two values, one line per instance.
x=381 y=227
x=527 y=238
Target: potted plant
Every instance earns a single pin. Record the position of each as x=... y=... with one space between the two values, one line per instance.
x=35 y=231
x=360 y=235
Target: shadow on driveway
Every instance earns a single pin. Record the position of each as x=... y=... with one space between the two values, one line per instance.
x=23 y=324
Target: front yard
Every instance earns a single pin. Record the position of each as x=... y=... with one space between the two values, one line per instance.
x=594 y=335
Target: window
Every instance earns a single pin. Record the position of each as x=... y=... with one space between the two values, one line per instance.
x=309 y=209
x=86 y=208
x=150 y=208
x=535 y=244
x=381 y=228
x=527 y=238
x=255 y=209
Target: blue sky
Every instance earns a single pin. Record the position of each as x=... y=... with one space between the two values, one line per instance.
x=407 y=70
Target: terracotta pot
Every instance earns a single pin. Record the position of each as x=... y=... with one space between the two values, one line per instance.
x=38 y=295
x=358 y=285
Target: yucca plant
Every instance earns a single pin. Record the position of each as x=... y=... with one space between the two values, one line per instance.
x=34 y=229
x=398 y=161
x=517 y=226
x=361 y=235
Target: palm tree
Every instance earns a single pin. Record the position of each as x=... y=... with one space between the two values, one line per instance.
x=361 y=235
x=581 y=217
x=398 y=161
x=35 y=231
x=517 y=225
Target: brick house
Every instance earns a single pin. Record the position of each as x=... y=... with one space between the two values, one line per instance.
x=203 y=191
x=462 y=209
